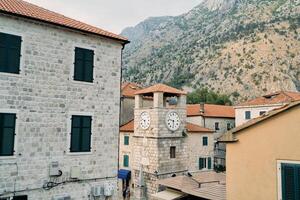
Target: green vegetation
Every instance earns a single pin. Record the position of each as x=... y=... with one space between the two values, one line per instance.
x=207 y=96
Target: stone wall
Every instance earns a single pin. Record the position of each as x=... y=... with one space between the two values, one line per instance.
x=44 y=96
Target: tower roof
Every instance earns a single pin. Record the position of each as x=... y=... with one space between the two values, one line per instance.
x=160 y=88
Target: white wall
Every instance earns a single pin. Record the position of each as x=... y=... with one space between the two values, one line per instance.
x=255 y=110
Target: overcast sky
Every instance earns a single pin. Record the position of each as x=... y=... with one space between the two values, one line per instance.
x=115 y=15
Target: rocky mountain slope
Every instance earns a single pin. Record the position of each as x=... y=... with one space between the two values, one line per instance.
x=242 y=48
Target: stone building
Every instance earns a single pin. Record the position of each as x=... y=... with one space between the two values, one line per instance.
x=215 y=117
x=59 y=105
x=263 y=157
x=198 y=151
x=261 y=105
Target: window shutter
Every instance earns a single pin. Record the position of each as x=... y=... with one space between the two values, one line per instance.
x=201 y=163
x=88 y=65
x=14 y=53
x=126 y=161
x=126 y=140
x=209 y=163
x=79 y=64
x=3 y=52
x=7 y=134
x=204 y=141
x=75 y=134
x=290 y=181
x=84 y=61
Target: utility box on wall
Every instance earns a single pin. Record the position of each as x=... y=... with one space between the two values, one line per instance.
x=54 y=169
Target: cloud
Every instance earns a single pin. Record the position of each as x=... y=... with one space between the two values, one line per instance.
x=115 y=15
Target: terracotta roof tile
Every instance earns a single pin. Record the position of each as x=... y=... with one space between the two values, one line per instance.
x=129 y=127
x=128 y=89
x=211 y=110
x=160 y=88
x=273 y=98
x=193 y=128
x=28 y=10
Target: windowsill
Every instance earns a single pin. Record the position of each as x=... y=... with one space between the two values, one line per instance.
x=8 y=157
x=11 y=74
x=82 y=82
x=79 y=153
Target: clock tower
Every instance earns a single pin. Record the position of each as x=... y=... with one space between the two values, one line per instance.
x=159 y=146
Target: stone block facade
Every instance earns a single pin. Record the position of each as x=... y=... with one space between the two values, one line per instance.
x=44 y=97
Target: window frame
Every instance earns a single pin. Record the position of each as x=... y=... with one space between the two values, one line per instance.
x=69 y=129
x=217 y=126
x=203 y=141
x=279 y=175
x=126 y=143
x=247 y=111
x=172 y=152
x=126 y=155
x=229 y=126
x=22 y=53
x=16 y=112
x=72 y=70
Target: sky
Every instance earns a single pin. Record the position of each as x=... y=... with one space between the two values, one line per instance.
x=115 y=15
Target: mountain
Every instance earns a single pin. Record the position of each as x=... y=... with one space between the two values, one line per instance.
x=243 y=48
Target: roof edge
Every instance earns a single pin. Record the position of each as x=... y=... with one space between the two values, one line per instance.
x=124 y=42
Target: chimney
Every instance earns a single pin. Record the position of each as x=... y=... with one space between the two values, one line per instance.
x=202 y=107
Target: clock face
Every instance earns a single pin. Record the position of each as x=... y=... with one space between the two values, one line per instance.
x=145 y=120
x=173 y=121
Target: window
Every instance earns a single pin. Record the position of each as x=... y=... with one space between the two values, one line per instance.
x=202 y=163
x=204 y=141
x=228 y=126
x=10 y=53
x=262 y=113
x=247 y=115
x=7 y=134
x=209 y=162
x=217 y=126
x=126 y=140
x=84 y=65
x=81 y=133
x=125 y=161
x=172 y=152
x=205 y=163
x=290 y=181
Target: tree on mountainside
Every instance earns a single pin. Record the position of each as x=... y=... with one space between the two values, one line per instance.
x=207 y=96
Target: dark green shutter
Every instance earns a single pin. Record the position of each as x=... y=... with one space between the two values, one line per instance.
x=126 y=161
x=81 y=134
x=126 y=140
x=290 y=174
x=201 y=163
x=84 y=61
x=10 y=53
x=209 y=163
x=7 y=134
x=89 y=65
x=75 y=134
x=204 y=141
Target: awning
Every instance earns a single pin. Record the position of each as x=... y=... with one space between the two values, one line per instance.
x=124 y=174
x=168 y=195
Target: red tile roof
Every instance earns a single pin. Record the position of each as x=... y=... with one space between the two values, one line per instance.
x=28 y=10
x=160 y=88
x=211 y=110
x=192 y=128
x=129 y=127
x=273 y=98
x=128 y=89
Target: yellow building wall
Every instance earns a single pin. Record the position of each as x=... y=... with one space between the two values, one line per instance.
x=252 y=161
